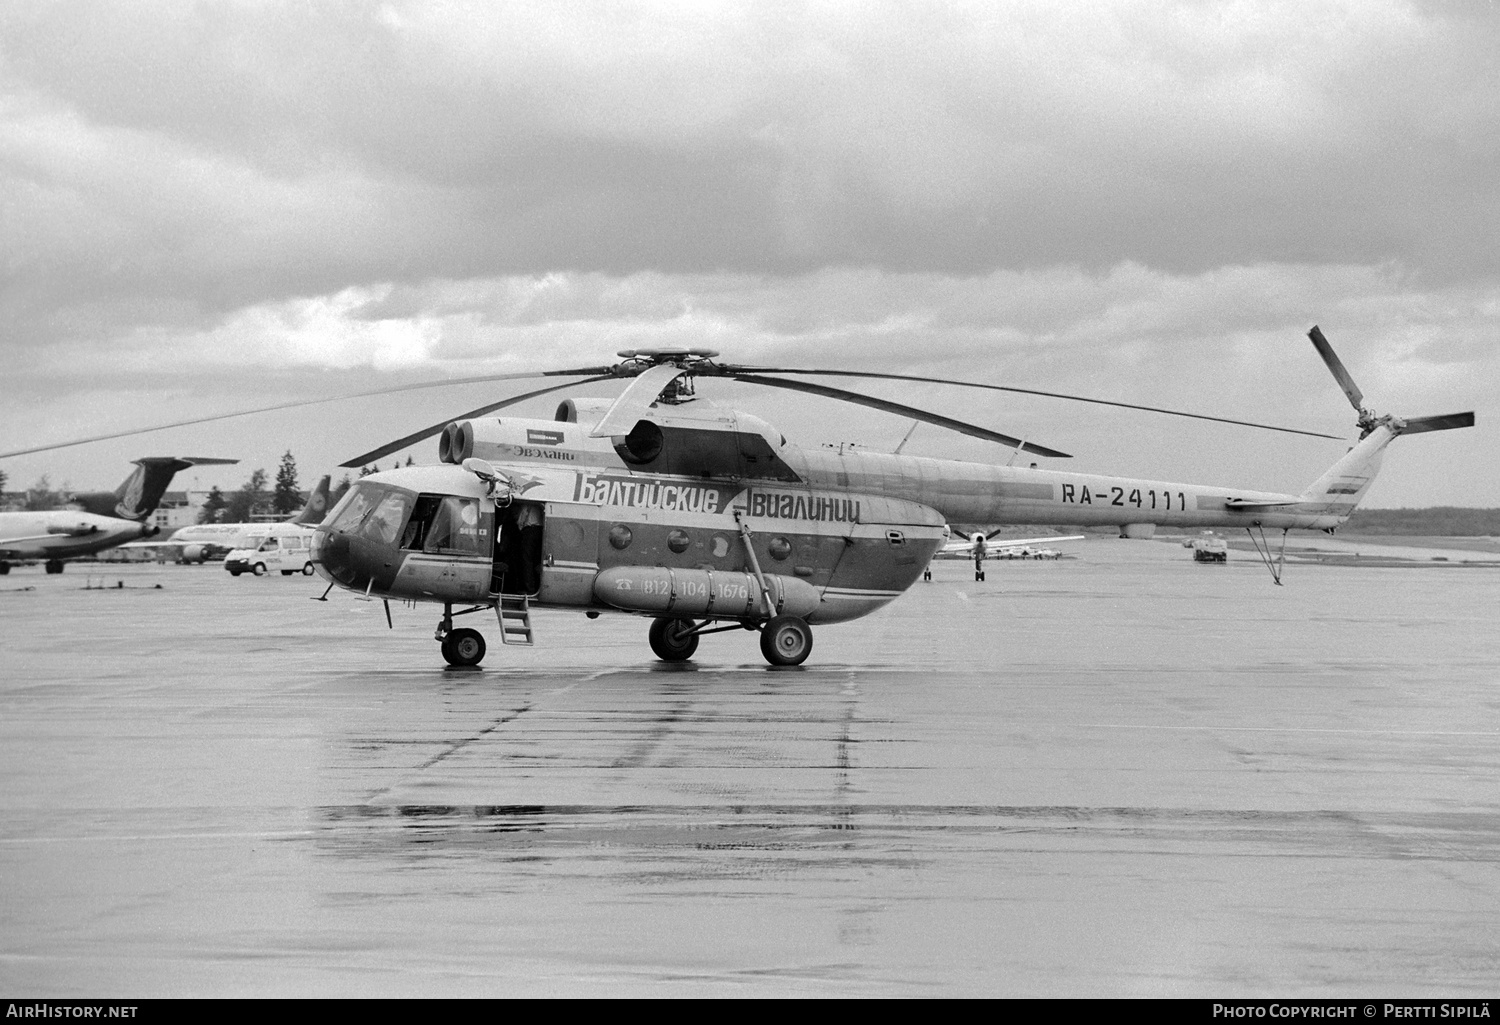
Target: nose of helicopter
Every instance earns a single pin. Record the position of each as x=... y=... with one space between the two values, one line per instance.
x=351 y=561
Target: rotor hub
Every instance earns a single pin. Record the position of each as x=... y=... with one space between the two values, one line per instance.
x=636 y=360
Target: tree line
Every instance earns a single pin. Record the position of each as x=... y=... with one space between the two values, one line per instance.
x=253 y=498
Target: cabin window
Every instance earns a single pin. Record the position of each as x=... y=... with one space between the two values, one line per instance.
x=620 y=536
x=780 y=548
x=448 y=525
x=679 y=541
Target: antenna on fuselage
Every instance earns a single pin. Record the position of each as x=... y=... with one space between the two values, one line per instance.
x=912 y=430
x=1012 y=460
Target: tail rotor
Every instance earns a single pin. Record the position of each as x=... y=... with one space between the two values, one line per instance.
x=1368 y=419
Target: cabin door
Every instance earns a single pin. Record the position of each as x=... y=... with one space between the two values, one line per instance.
x=518 y=548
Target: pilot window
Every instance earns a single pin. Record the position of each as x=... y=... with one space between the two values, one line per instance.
x=385 y=520
x=449 y=525
x=374 y=511
x=352 y=508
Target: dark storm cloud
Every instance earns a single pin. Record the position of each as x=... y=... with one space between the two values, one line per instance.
x=227 y=152
x=1146 y=201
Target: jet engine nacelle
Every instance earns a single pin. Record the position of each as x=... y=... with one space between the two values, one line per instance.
x=70 y=528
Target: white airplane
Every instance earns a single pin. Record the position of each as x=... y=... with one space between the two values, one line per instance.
x=980 y=546
x=202 y=541
x=95 y=520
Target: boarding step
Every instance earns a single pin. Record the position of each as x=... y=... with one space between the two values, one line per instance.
x=514 y=613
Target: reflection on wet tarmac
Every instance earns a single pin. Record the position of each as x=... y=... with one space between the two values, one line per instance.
x=1118 y=775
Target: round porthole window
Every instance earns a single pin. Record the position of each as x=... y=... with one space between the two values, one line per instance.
x=780 y=548
x=620 y=536
x=720 y=546
x=679 y=541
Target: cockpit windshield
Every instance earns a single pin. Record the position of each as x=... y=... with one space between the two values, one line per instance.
x=374 y=511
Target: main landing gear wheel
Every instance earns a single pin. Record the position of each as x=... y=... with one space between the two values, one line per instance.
x=54 y=565
x=979 y=574
x=786 y=641
x=673 y=640
x=463 y=647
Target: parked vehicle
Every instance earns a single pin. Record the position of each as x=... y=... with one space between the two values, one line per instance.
x=285 y=547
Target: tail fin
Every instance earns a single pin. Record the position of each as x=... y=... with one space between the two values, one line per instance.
x=137 y=497
x=1340 y=489
x=317 y=505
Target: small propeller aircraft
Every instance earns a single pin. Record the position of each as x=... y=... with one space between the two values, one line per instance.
x=706 y=519
x=95 y=520
x=980 y=546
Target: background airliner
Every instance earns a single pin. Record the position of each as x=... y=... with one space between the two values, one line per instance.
x=96 y=520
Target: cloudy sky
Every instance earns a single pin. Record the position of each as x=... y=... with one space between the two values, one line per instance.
x=211 y=207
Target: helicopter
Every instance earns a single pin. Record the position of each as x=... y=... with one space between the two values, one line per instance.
x=705 y=519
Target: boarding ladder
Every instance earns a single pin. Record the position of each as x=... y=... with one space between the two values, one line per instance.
x=514 y=613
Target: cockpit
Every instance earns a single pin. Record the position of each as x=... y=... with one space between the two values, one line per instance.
x=376 y=525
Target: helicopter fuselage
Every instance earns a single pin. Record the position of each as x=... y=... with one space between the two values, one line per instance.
x=613 y=540
x=708 y=516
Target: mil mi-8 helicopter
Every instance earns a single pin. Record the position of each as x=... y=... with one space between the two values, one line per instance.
x=707 y=519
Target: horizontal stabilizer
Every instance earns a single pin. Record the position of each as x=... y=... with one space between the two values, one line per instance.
x=1446 y=422
x=1258 y=503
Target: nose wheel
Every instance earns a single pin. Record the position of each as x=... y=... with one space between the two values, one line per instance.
x=463 y=647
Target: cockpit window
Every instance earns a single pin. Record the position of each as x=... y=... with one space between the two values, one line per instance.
x=352 y=508
x=386 y=519
x=375 y=511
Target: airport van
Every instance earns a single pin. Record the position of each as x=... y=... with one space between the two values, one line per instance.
x=284 y=548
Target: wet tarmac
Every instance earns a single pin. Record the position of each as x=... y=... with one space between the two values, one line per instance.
x=1113 y=775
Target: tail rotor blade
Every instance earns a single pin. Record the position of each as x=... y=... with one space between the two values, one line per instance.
x=1356 y=397
x=1445 y=422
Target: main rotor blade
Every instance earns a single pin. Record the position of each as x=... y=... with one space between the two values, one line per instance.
x=1356 y=397
x=1445 y=422
x=746 y=373
x=898 y=408
x=299 y=403
x=427 y=432
x=634 y=403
